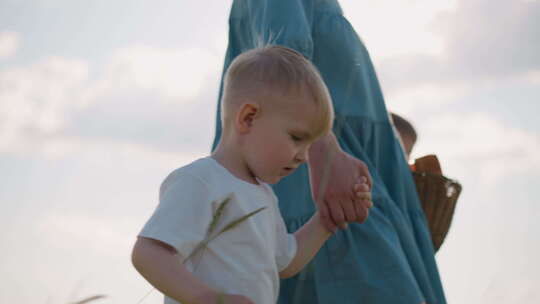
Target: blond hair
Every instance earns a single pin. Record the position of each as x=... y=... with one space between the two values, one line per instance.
x=275 y=69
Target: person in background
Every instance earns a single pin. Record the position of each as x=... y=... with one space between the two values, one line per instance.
x=405 y=132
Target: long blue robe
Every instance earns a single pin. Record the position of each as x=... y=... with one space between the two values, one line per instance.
x=390 y=257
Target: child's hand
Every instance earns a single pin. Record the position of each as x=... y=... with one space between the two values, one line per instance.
x=362 y=202
x=362 y=195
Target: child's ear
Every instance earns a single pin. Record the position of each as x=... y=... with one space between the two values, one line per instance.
x=246 y=115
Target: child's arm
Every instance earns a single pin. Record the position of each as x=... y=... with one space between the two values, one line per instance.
x=313 y=234
x=158 y=263
x=310 y=239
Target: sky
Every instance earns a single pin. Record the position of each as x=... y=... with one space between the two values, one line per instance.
x=100 y=100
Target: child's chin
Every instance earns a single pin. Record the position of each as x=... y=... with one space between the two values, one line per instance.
x=273 y=180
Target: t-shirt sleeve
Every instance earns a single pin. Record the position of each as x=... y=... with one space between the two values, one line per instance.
x=182 y=215
x=286 y=245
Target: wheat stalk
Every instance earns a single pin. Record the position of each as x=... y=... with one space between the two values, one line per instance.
x=202 y=245
x=213 y=224
x=217 y=215
x=237 y=222
x=89 y=299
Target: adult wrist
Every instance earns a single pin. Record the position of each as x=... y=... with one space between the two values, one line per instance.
x=324 y=149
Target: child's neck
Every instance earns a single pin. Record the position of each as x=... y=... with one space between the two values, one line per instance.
x=230 y=159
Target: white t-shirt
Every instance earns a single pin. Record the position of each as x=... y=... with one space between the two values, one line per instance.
x=245 y=260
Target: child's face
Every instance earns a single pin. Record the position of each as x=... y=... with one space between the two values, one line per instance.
x=280 y=138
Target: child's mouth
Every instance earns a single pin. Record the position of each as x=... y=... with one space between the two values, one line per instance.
x=289 y=170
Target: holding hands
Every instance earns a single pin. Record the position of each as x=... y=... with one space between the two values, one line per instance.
x=340 y=184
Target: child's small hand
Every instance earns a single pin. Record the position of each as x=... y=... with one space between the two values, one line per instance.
x=362 y=199
x=363 y=193
x=362 y=202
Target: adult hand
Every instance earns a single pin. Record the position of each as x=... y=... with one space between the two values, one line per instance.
x=336 y=179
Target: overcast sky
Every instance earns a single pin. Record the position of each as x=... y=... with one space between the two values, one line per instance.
x=99 y=100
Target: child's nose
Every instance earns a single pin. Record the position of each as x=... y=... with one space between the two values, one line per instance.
x=302 y=155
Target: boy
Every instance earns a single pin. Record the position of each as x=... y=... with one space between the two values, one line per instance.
x=275 y=105
x=406 y=133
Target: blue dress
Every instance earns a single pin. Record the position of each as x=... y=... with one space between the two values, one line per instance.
x=390 y=257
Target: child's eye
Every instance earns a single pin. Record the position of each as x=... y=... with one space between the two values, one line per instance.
x=295 y=138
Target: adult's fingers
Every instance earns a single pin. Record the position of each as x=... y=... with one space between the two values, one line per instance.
x=349 y=210
x=337 y=214
x=358 y=206
x=363 y=214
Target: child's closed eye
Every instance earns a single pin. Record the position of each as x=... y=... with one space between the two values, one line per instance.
x=295 y=138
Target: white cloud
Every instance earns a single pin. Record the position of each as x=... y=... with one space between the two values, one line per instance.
x=126 y=154
x=82 y=225
x=498 y=166
x=482 y=42
x=171 y=73
x=73 y=256
x=9 y=43
x=487 y=46
x=37 y=98
x=96 y=233
x=476 y=144
x=533 y=77
x=43 y=104
x=393 y=28
x=423 y=97
x=489 y=38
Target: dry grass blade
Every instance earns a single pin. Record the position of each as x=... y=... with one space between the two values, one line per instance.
x=202 y=245
x=217 y=215
x=220 y=299
x=211 y=227
x=197 y=249
x=238 y=221
x=90 y=299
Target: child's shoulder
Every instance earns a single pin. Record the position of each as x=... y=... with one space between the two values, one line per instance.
x=202 y=172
